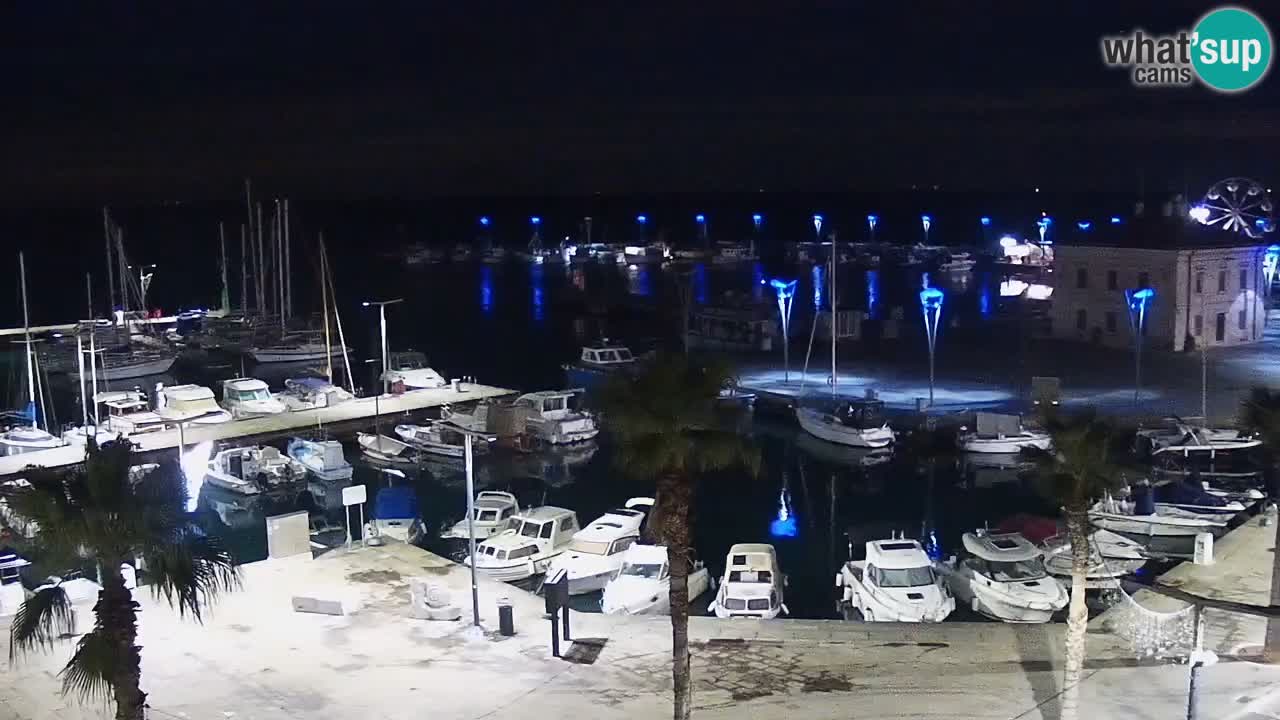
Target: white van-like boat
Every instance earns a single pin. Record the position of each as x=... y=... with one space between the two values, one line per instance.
x=998 y=433
x=752 y=585
x=249 y=398
x=533 y=539
x=253 y=470
x=493 y=511
x=895 y=583
x=642 y=586
x=324 y=459
x=556 y=417
x=595 y=553
x=856 y=423
x=1004 y=577
x=191 y=403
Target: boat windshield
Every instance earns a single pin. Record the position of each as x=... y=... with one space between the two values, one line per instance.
x=530 y=529
x=653 y=571
x=483 y=515
x=1000 y=571
x=903 y=577
x=246 y=395
x=624 y=354
x=589 y=547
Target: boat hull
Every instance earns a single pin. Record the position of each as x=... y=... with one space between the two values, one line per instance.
x=1154 y=527
x=155 y=366
x=813 y=424
x=1004 y=445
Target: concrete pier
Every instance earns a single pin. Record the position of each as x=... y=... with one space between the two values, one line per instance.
x=359 y=411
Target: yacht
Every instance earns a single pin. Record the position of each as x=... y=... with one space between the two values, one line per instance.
x=396 y=514
x=310 y=393
x=493 y=510
x=856 y=423
x=324 y=459
x=643 y=585
x=251 y=470
x=1140 y=516
x=190 y=403
x=595 y=553
x=895 y=583
x=752 y=584
x=598 y=362
x=555 y=417
x=1111 y=557
x=410 y=368
x=997 y=433
x=386 y=450
x=1003 y=577
x=533 y=538
x=438 y=438
x=249 y=398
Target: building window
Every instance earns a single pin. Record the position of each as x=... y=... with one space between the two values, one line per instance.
x=1082 y=278
x=1241 y=321
x=1112 y=284
x=1220 y=328
x=1199 y=325
x=1111 y=322
x=1199 y=282
x=1144 y=280
x=1244 y=279
x=1082 y=319
x=1222 y=281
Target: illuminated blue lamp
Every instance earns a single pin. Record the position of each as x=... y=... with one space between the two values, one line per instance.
x=1274 y=250
x=756 y=219
x=1138 y=299
x=926 y=221
x=785 y=289
x=872 y=220
x=986 y=221
x=931 y=299
x=484 y=220
x=535 y=220
x=699 y=218
x=1115 y=219
x=1084 y=225
x=642 y=219
x=784 y=524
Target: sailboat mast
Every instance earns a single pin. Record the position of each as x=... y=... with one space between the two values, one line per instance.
x=278 y=226
x=288 y=265
x=337 y=319
x=833 y=318
x=26 y=339
x=111 y=281
x=324 y=301
x=244 y=273
x=258 y=274
x=226 y=291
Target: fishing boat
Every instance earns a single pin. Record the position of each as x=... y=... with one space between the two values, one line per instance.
x=856 y=423
x=437 y=438
x=128 y=413
x=556 y=417
x=1139 y=516
x=957 y=262
x=324 y=459
x=1003 y=577
x=253 y=470
x=1111 y=557
x=896 y=582
x=190 y=403
x=249 y=398
x=752 y=585
x=396 y=514
x=643 y=584
x=493 y=510
x=385 y=449
x=533 y=539
x=311 y=393
x=999 y=433
x=595 y=552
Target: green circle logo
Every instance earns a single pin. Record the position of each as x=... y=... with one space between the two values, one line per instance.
x=1231 y=49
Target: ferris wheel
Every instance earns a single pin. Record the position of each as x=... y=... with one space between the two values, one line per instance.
x=1238 y=205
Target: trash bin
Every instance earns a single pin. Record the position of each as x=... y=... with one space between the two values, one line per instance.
x=506 y=618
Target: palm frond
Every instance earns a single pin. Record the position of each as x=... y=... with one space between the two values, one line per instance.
x=41 y=619
x=89 y=672
x=1081 y=466
x=190 y=572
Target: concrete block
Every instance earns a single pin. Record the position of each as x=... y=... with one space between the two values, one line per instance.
x=319 y=606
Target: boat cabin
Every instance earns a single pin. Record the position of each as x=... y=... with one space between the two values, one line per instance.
x=552 y=404
x=239 y=390
x=1003 y=557
x=752 y=584
x=494 y=507
x=861 y=414
x=533 y=531
x=128 y=412
x=607 y=356
x=315 y=392
x=189 y=402
x=898 y=564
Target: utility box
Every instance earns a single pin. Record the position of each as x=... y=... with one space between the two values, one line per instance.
x=288 y=535
x=1204 y=549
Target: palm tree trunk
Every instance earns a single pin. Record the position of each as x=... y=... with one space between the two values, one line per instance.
x=118 y=617
x=677 y=494
x=1271 y=646
x=1077 y=612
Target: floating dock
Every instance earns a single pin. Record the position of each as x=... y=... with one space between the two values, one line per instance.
x=359 y=411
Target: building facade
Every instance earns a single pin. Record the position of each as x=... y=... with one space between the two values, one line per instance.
x=1210 y=295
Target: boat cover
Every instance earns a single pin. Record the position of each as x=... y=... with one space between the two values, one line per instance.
x=1035 y=528
x=1187 y=493
x=1143 y=502
x=997 y=424
x=395 y=503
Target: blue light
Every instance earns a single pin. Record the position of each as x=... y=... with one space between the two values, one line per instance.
x=785 y=289
x=535 y=220
x=756 y=219
x=1084 y=225
x=484 y=220
x=984 y=296
x=931 y=298
x=699 y=218
x=642 y=219
x=1115 y=219
x=486 y=289
x=784 y=523
x=1274 y=250
x=818 y=272
x=925 y=222
x=873 y=292
x=1144 y=295
x=986 y=221
x=817 y=219
x=872 y=220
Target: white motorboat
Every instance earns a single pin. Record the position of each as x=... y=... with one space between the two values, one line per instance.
x=1111 y=557
x=856 y=423
x=1003 y=577
x=752 y=585
x=410 y=368
x=310 y=393
x=252 y=470
x=643 y=585
x=476 y=420
x=958 y=262
x=998 y=433
x=1186 y=498
x=249 y=398
x=727 y=253
x=493 y=510
x=533 y=538
x=1141 y=517
x=324 y=459
x=598 y=362
x=293 y=352
x=396 y=514
x=595 y=553
x=438 y=439
x=25 y=439
x=895 y=583
x=190 y=403
x=128 y=412
x=556 y=417
x=1187 y=439
x=384 y=449
x=133 y=364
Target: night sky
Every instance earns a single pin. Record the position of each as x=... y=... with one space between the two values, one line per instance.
x=150 y=102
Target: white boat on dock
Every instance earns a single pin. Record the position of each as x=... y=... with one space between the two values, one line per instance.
x=595 y=553
x=385 y=449
x=1140 y=516
x=533 y=538
x=493 y=510
x=437 y=438
x=896 y=582
x=1004 y=577
x=1186 y=439
x=1111 y=557
x=752 y=586
x=324 y=459
x=409 y=368
x=999 y=433
x=253 y=470
x=191 y=403
x=856 y=423
x=643 y=585
x=309 y=393
x=556 y=417
x=249 y=398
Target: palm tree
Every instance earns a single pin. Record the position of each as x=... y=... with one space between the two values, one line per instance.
x=1261 y=413
x=104 y=514
x=1075 y=473
x=665 y=423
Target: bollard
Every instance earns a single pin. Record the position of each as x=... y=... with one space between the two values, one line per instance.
x=506 y=618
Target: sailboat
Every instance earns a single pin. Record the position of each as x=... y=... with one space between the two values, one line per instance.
x=28 y=438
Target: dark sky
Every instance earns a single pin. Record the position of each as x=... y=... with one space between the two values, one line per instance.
x=154 y=101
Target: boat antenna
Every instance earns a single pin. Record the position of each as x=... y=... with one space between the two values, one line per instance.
x=26 y=340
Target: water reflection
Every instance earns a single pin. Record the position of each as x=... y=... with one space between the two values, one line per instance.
x=757 y=282
x=486 y=289
x=873 y=292
x=536 y=283
x=819 y=273
x=638 y=280
x=700 y=283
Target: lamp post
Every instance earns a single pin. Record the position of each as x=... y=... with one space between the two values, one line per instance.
x=1043 y=225
x=786 y=291
x=931 y=305
x=756 y=221
x=382 y=318
x=469 y=437
x=926 y=222
x=985 y=222
x=872 y=220
x=701 y=221
x=817 y=228
x=535 y=242
x=1269 y=263
x=641 y=221
x=1136 y=301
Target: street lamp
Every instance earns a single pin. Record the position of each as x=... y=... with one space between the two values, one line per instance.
x=756 y=221
x=926 y=222
x=1043 y=224
x=985 y=222
x=144 y=282
x=871 y=225
x=786 y=290
x=468 y=439
x=382 y=317
x=1136 y=301
x=931 y=305
x=817 y=228
x=701 y=221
